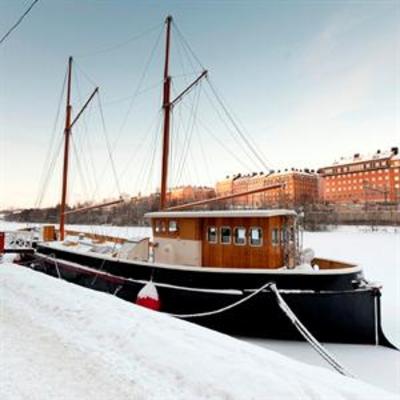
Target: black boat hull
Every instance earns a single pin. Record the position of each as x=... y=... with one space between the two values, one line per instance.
x=331 y=308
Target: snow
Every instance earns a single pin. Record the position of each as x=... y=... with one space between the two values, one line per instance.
x=62 y=341
x=377 y=251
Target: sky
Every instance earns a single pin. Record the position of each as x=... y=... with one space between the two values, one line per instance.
x=305 y=81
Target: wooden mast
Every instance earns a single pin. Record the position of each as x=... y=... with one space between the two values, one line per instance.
x=67 y=134
x=167 y=115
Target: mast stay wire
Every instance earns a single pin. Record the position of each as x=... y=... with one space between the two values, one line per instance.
x=181 y=47
x=190 y=130
x=109 y=150
x=223 y=145
x=79 y=168
x=232 y=133
x=191 y=55
x=186 y=44
x=126 y=98
x=177 y=124
x=235 y=122
x=137 y=89
x=186 y=48
x=141 y=143
x=50 y=172
x=235 y=125
x=121 y=44
x=154 y=152
x=203 y=154
x=84 y=137
x=46 y=171
x=259 y=157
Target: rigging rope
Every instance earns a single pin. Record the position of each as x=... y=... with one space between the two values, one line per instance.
x=139 y=85
x=50 y=171
x=235 y=125
x=109 y=147
x=223 y=145
x=133 y=98
x=189 y=134
x=84 y=136
x=79 y=167
x=47 y=171
x=186 y=44
x=121 y=44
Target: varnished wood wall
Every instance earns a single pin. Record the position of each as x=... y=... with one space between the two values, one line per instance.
x=243 y=256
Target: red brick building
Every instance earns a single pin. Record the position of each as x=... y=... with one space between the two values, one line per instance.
x=300 y=187
x=362 y=179
x=186 y=194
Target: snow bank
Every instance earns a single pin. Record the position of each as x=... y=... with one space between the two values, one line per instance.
x=62 y=341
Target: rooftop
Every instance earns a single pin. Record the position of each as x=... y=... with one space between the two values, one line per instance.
x=393 y=153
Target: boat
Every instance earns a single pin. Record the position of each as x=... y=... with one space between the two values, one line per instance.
x=241 y=272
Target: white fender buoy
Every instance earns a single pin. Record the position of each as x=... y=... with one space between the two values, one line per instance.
x=148 y=297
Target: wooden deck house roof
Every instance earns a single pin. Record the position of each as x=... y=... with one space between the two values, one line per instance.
x=221 y=214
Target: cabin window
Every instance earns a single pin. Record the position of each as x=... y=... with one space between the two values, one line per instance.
x=275 y=237
x=172 y=226
x=284 y=235
x=255 y=236
x=212 y=234
x=225 y=235
x=239 y=236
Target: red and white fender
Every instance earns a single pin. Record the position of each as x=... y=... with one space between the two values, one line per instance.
x=148 y=297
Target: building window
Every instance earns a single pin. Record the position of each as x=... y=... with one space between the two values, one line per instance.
x=173 y=226
x=225 y=235
x=275 y=237
x=255 y=236
x=239 y=236
x=212 y=234
x=157 y=226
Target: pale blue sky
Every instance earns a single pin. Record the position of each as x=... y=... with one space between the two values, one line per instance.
x=309 y=80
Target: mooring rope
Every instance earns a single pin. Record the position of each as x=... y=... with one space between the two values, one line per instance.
x=54 y=258
x=223 y=309
x=317 y=346
x=307 y=335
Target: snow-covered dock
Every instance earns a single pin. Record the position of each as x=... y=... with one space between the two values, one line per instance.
x=62 y=341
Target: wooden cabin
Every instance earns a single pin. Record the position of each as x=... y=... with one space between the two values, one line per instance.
x=228 y=238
